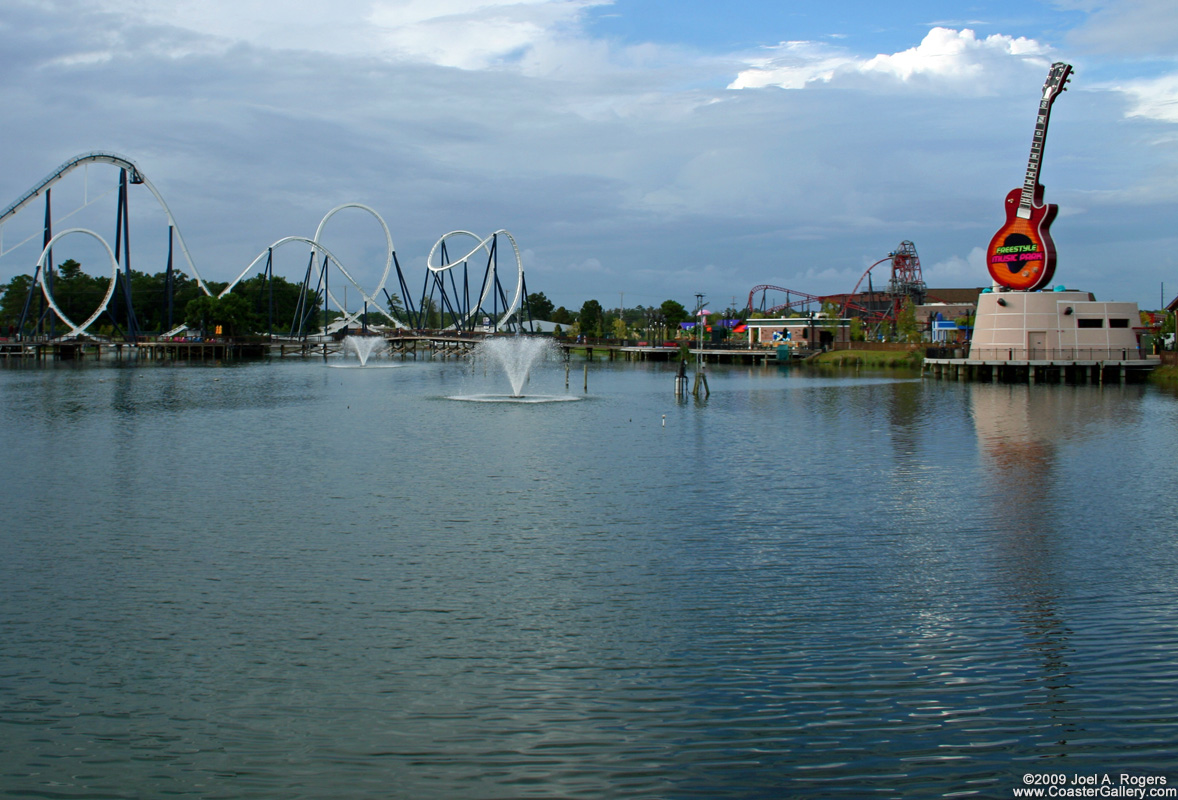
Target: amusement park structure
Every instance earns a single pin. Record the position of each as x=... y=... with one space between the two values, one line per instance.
x=457 y=294
x=878 y=308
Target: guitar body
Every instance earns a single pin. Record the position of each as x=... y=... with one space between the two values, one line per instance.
x=1021 y=256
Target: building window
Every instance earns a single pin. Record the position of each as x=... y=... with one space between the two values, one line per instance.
x=1118 y=323
x=1090 y=323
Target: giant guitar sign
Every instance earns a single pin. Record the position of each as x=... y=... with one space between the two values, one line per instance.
x=1021 y=255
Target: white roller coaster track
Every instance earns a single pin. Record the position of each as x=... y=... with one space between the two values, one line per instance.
x=326 y=255
x=489 y=280
x=110 y=289
x=136 y=176
x=317 y=248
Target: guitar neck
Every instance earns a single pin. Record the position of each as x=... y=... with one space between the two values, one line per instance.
x=1027 y=200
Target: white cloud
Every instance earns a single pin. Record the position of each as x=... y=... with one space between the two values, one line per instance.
x=793 y=65
x=1153 y=99
x=958 y=271
x=953 y=55
x=469 y=34
x=953 y=59
x=335 y=27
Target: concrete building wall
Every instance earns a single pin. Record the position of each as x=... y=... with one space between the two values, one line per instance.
x=1053 y=325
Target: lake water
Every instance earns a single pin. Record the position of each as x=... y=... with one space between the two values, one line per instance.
x=301 y=580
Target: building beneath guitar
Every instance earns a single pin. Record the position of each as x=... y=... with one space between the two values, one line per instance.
x=1024 y=333
x=1056 y=327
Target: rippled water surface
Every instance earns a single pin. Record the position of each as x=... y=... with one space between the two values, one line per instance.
x=285 y=580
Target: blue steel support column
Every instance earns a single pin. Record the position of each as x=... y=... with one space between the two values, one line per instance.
x=471 y=322
x=526 y=304
x=444 y=299
x=24 y=314
x=422 y=315
x=458 y=309
x=169 y=287
x=49 y=263
x=410 y=311
x=123 y=243
x=302 y=308
x=493 y=266
x=270 y=278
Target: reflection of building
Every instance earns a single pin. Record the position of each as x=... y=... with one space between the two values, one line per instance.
x=1059 y=325
x=804 y=332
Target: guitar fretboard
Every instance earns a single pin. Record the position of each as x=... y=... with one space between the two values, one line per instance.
x=1027 y=200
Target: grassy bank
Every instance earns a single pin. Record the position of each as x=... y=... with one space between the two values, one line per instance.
x=1165 y=374
x=869 y=359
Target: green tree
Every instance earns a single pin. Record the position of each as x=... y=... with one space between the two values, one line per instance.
x=232 y=312
x=591 y=318
x=431 y=313
x=620 y=328
x=541 y=306
x=236 y=317
x=12 y=301
x=907 y=327
x=674 y=313
x=199 y=313
x=397 y=307
x=857 y=333
x=260 y=292
x=563 y=316
x=831 y=314
x=76 y=293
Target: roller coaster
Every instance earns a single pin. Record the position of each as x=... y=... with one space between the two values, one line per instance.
x=453 y=296
x=877 y=309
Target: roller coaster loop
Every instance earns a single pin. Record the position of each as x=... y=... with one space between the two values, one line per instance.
x=457 y=305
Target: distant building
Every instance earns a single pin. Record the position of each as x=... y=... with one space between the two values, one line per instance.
x=805 y=332
x=949 y=307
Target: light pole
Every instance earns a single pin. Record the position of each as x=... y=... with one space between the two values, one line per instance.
x=700 y=320
x=699 y=323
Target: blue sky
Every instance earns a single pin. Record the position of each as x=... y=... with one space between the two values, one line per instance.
x=648 y=150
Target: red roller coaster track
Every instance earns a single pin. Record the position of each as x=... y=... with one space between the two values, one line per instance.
x=804 y=300
x=905 y=281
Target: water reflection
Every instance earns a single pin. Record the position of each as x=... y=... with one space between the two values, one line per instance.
x=1025 y=434
x=805 y=587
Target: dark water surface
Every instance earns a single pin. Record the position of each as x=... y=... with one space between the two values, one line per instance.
x=287 y=580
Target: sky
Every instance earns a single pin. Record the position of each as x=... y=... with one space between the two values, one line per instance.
x=636 y=151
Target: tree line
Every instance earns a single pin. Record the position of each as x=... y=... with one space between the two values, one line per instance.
x=256 y=305
x=595 y=321
x=263 y=304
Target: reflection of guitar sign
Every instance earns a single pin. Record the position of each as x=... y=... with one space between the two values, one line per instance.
x=1021 y=255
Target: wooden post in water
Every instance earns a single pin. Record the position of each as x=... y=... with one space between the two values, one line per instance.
x=700 y=379
x=586 y=376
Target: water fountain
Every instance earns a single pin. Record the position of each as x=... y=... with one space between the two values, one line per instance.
x=516 y=356
x=364 y=346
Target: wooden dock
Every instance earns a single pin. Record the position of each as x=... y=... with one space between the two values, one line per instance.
x=1077 y=372
x=613 y=352
x=403 y=345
